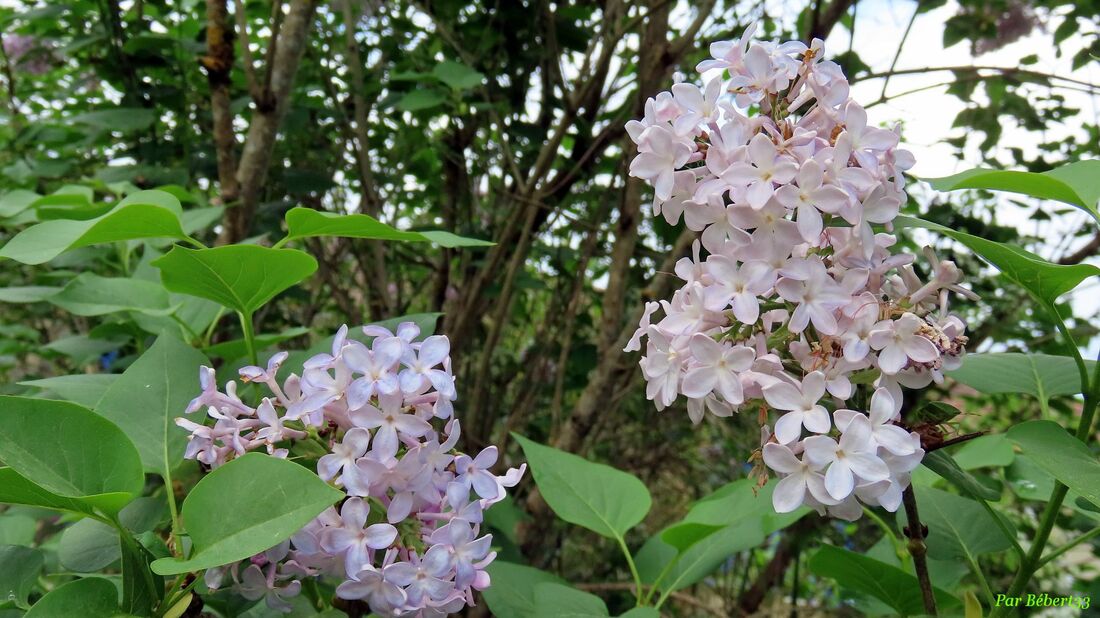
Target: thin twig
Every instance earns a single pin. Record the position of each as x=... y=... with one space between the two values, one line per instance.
x=1008 y=71
x=916 y=533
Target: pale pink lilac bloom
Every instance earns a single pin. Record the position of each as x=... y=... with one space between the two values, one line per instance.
x=425 y=554
x=796 y=261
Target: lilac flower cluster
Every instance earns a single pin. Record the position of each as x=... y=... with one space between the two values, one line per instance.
x=28 y=53
x=799 y=298
x=406 y=540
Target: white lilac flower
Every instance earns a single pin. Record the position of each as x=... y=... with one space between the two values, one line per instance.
x=850 y=457
x=801 y=404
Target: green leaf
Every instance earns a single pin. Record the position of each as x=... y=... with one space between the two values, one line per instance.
x=457 y=75
x=598 y=497
x=141 y=588
x=1028 y=480
x=89 y=294
x=1040 y=375
x=424 y=98
x=19 y=569
x=17 y=529
x=944 y=465
x=1077 y=184
x=306 y=222
x=1047 y=281
x=887 y=583
x=14 y=489
x=237 y=348
x=683 y=535
x=15 y=202
x=512 y=594
x=933 y=413
x=642 y=612
x=85 y=389
x=28 y=294
x=91 y=597
x=742 y=501
x=558 y=601
x=1052 y=448
x=148 y=398
x=122 y=119
x=247 y=506
x=739 y=514
x=70 y=451
x=241 y=277
x=146 y=214
x=992 y=451
x=88 y=546
x=958 y=528
x=699 y=559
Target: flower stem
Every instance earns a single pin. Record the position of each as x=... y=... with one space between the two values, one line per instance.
x=249 y=336
x=633 y=570
x=914 y=530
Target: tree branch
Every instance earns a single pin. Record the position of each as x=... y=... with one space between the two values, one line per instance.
x=263 y=129
x=916 y=532
x=218 y=63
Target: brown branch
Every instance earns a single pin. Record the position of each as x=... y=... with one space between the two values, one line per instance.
x=9 y=77
x=264 y=126
x=1088 y=250
x=956 y=440
x=370 y=202
x=916 y=532
x=240 y=13
x=825 y=19
x=1007 y=71
x=218 y=63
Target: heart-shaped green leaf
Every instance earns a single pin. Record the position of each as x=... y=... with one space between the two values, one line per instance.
x=306 y=222
x=85 y=389
x=699 y=559
x=91 y=597
x=1047 y=281
x=19 y=569
x=882 y=581
x=70 y=451
x=88 y=546
x=240 y=277
x=553 y=600
x=958 y=528
x=604 y=500
x=1052 y=448
x=1077 y=184
x=145 y=214
x=512 y=594
x=992 y=451
x=89 y=294
x=944 y=465
x=14 y=489
x=1041 y=375
x=247 y=506
x=148 y=397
